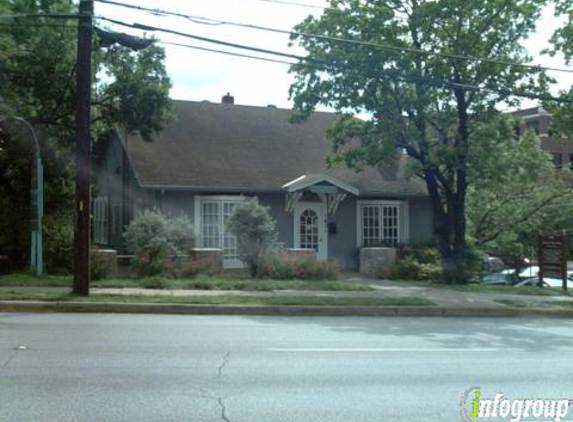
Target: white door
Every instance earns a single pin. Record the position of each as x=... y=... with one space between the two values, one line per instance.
x=310 y=231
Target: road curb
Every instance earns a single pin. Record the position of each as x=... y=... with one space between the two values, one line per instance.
x=277 y=310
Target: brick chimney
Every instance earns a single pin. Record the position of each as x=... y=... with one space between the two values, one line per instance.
x=228 y=99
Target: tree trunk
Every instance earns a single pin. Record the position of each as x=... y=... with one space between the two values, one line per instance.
x=450 y=231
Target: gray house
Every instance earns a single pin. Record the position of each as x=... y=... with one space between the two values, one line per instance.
x=217 y=155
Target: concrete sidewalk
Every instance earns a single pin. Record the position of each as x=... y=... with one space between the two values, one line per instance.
x=449 y=302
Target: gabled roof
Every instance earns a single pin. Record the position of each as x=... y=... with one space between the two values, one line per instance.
x=228 y=147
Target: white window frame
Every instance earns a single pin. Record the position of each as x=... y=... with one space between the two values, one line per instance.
x=100 y=214
x=199 y=200
x=403 y=219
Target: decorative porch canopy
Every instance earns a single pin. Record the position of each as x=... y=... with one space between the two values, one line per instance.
x=333 y=189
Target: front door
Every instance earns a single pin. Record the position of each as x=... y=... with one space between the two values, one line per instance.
x=310 y=231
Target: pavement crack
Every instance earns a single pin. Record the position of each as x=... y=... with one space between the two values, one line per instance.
x=12 y=356
x=224 y=363
x=223 y=409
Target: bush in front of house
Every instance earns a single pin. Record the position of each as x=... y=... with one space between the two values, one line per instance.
x=154 y=237
x=193 y=267
x=283 y=266
x=473 y=270
x=256 y=234
x=411 y=269
x=58 y=237
x=417 y=262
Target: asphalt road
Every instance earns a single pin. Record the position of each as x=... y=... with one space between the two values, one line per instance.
x=139 y=368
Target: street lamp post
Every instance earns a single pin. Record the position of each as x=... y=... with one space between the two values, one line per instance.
x=36 y=202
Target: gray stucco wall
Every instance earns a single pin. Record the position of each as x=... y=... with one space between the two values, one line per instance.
x=421 y=221
x=276 y=204
x=116 y=181
x=342 y=247
x=176 y=203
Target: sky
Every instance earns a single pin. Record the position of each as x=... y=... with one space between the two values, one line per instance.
x=198 y=75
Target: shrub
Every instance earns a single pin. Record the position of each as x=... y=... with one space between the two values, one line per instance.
x=194 y=267
x=153 y=237
x=255 y=231
x=425 y=254
x=58 y=238
x=282 y=266
x=153 y=283
x=417 y=262
x=411 y=269
x=471 y=272
x=100 y=267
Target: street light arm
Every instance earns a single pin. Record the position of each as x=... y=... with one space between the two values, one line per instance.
x=37 y=200
x=29 y=126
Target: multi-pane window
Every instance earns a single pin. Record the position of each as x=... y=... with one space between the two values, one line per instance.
x=100 y=219
x=229 y=241
x=380 y=224
x=214 y=232
x=309 y=230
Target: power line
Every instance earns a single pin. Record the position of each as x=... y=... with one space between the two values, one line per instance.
x=297 y=4
x=217 y=22
x=324 y=63
x=53 y=25
x=41 y=15
x=336 y=66
x=228 y=53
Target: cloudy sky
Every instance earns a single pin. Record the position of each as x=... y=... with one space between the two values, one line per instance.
x=199 y=75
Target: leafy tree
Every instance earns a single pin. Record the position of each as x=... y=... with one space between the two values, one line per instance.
x=516 y=192
x=37 y=82
x=256 y=235
x=423 y=104
x=562 y=41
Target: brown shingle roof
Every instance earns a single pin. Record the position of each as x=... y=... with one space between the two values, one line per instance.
x=233 y=147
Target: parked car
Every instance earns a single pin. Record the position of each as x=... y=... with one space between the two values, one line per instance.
x=492 y=264
x=547 y=282
x=528 y=272
x=501 y=277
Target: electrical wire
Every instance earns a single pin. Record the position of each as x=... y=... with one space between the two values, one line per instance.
x=338 y=67
x=52 y=25
x=228 y=53
x=293 y=3
x=42 y=15
x=217 y=22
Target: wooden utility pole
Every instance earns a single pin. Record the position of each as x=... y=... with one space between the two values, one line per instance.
x=83 y=159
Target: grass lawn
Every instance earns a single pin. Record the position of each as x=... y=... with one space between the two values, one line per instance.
x=223 y=300
x=514 y=303
x=485 y=288
x=201 y=282
x=523 y=304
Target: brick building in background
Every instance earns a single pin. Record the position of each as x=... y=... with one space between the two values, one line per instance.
x=539 y=120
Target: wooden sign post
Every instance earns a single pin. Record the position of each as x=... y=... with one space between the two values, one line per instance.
x=553 y=257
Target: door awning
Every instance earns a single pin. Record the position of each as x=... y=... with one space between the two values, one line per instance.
x=319 y=183
x=334 y=190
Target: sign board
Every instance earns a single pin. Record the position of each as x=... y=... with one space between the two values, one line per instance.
x=553 y=257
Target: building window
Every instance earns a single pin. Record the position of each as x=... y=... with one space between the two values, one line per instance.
x=100 y=220
x=533 y=125
x=214 y=214
x=379 y=224
x=557 y=160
